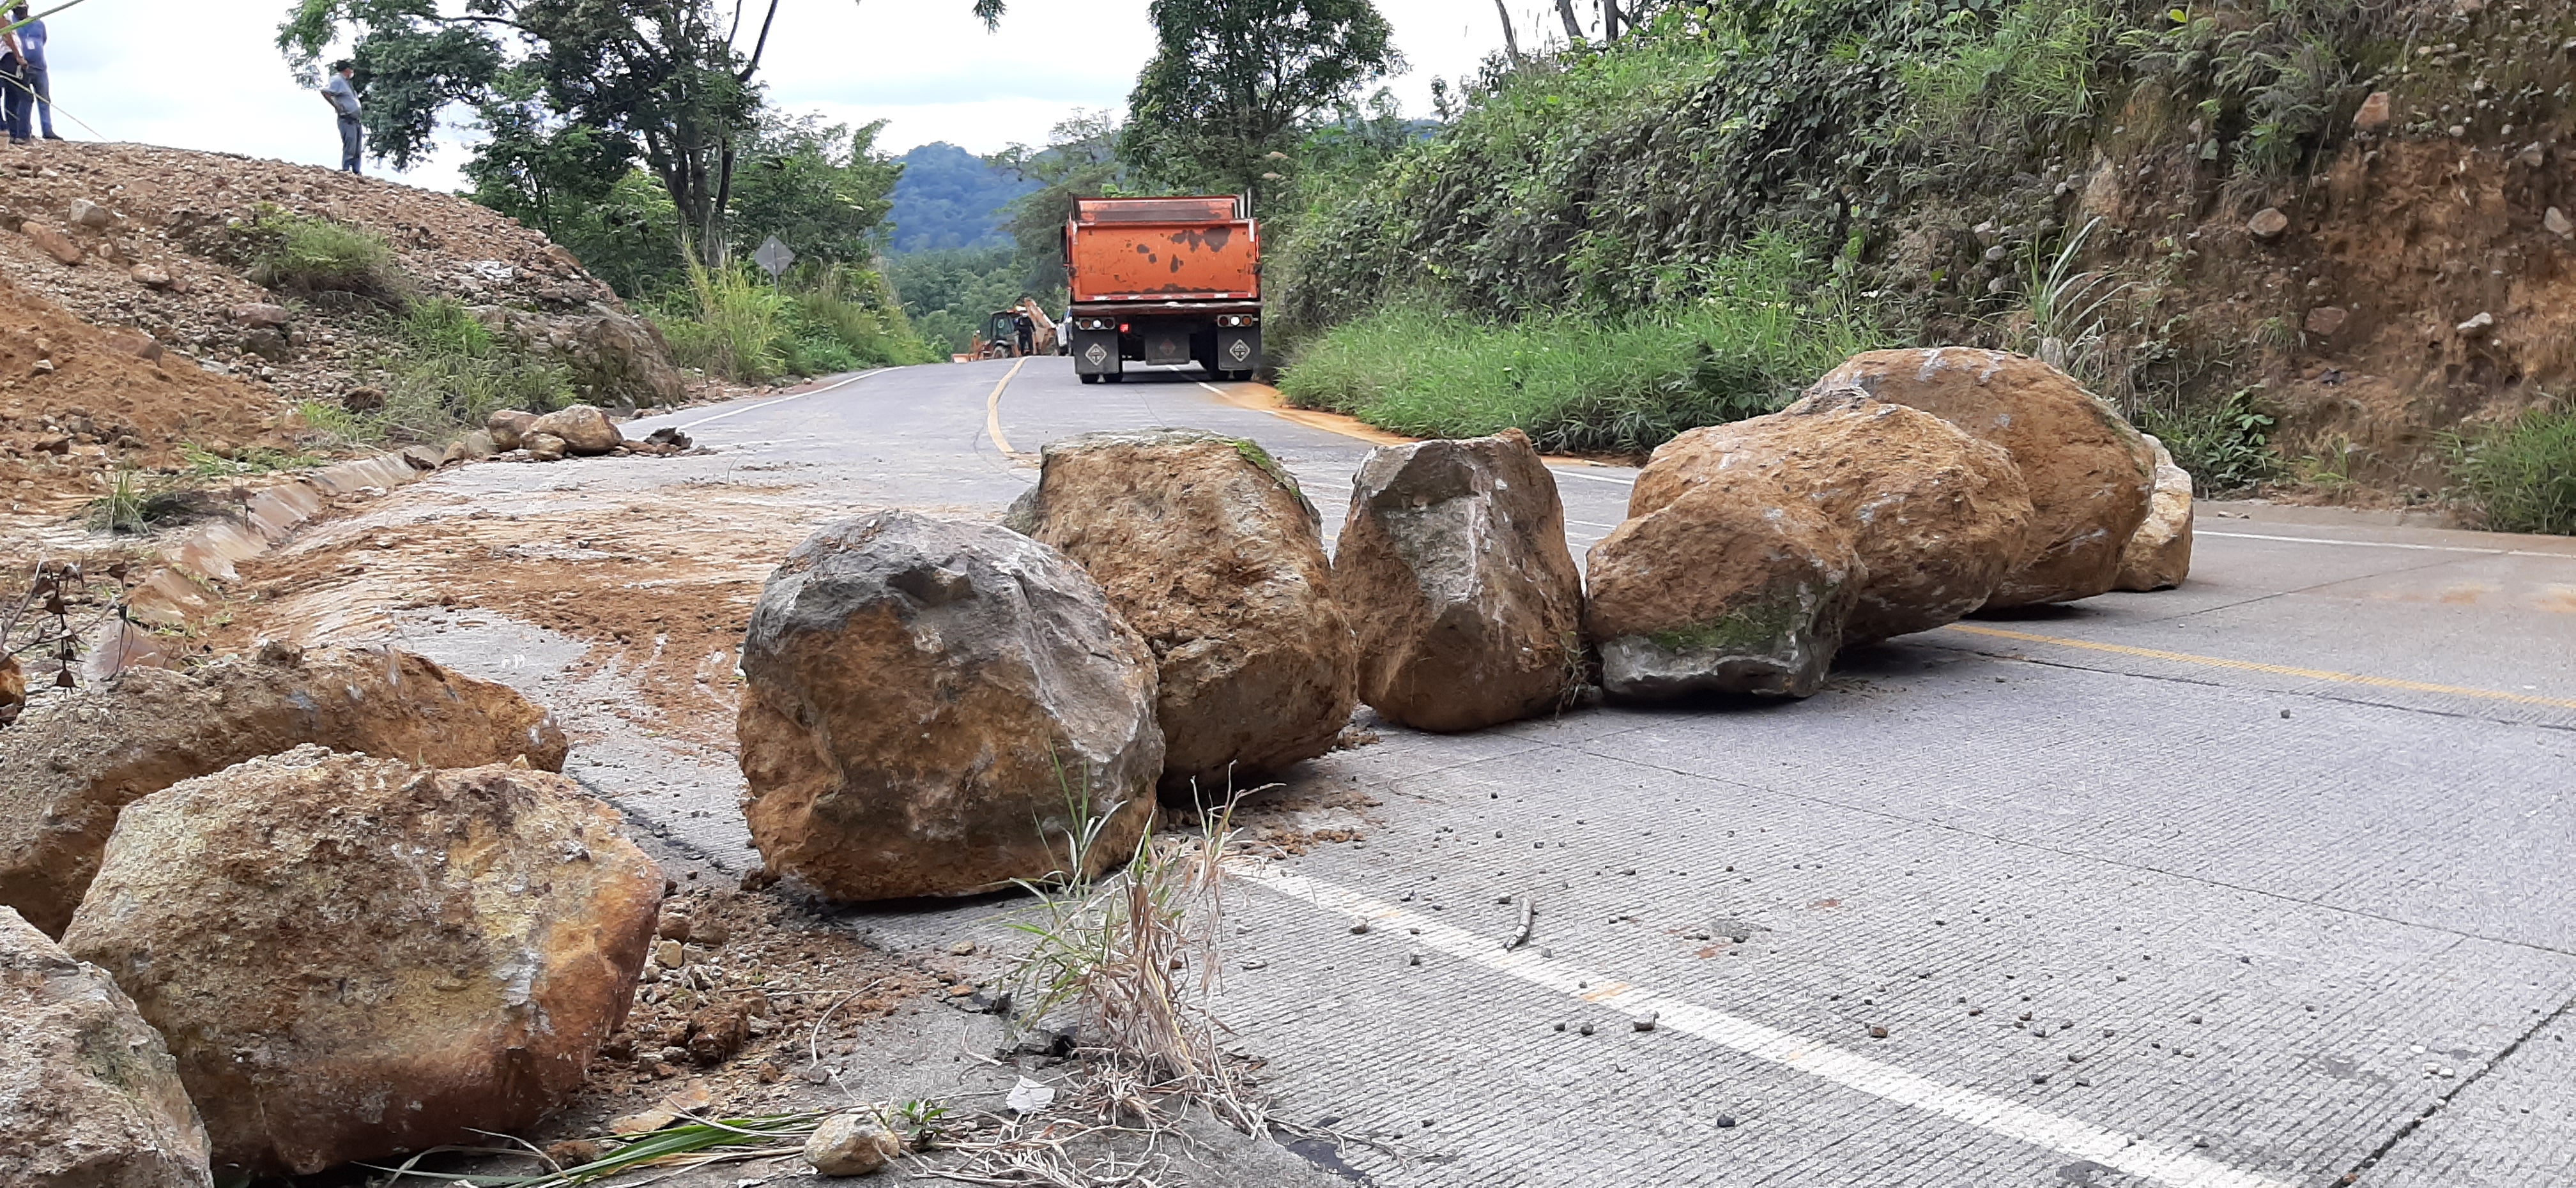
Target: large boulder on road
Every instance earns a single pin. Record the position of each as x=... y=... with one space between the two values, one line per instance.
x=1208 y=548
x=584 y=429
x=79 y=758
x=936 y=707
x=2089 y=473
x=2158 y=556
x=1453 y=571
x=89 y=1096
x=353 y=958
x=1936 y=516
x=1731 y=587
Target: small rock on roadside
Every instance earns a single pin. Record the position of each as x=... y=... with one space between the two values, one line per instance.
x=2556 y=223
x=584 y=429
x=2374 y=113
x=545 y=447
x=962 y=948
x=150 y=276
x=2268 y=223
x=2324 y=320
x=508 y=426
x=851 y=1145
x=2477 y=326
x=91 y=215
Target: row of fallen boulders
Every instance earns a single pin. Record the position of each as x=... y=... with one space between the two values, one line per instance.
x=578 y=430
x=940 y=707
x=339 y=906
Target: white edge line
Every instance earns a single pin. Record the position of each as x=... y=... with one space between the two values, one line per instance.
x=2081 y=1140
x=836 y=384
x=2391 y=544
x=1598 y=478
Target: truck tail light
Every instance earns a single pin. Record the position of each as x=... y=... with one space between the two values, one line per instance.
x=1237 y=320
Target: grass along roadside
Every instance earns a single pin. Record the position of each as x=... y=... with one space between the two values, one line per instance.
x=1580 y=382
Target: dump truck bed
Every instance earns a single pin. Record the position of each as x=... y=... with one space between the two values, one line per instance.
x=1162 y=250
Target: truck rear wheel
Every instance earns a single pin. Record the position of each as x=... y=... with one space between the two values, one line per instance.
x=1091 y=379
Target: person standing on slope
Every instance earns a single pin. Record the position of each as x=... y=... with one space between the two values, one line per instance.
x=13 y=86
x=31 y=66
x=343 y=98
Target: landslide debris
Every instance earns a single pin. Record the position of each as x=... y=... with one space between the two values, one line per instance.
x=353 y=958
x=1731 y=587
x=1938 y=517
x=76 y=759
x=199 y=339
x=2158 y=556
x=76 y=398
x=936 y=707
x=1210 y=551
x=1453 y=571
x=2088 y=473
x=88 y=1093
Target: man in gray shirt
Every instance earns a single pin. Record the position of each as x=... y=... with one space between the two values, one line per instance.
x=344 y=99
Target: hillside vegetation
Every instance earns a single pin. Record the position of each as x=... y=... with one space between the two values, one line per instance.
x=2307 y=241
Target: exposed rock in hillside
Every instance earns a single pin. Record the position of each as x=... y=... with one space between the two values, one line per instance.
x=1453 y=571
x=353 y=958
x=1937 y=517
x=78 y=758
x=936 y=707
x=1731 y=587
x=89 y=1097
x=1214 y=556
x=2089 y=474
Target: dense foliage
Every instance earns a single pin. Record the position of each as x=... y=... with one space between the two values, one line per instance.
x=1234 y=81
x=948 y=294
x=951 y=198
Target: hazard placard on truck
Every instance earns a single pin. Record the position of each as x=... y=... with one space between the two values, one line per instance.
x=1163 y=281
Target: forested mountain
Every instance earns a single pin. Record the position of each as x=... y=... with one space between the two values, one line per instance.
x=949 y=198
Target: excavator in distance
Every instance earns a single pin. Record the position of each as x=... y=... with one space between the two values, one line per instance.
x=1163 y=281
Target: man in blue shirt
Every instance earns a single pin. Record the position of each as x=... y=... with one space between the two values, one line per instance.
x=343 y=98
x=31 y=48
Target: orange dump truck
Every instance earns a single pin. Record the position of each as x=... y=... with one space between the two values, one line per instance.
x=1163 y=280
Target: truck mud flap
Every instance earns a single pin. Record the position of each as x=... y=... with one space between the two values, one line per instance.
x=1095 y=352
x=1167 y=344
x=1239 y=350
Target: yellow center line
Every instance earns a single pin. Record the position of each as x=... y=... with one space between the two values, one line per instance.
x=993 y=412
x=2314 y=674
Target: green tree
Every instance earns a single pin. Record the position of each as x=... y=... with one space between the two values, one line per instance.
x=1081 y=160
x=659 y=81
x=1232 y=81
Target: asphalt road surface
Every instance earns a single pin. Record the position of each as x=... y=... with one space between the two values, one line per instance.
x=2262 y=881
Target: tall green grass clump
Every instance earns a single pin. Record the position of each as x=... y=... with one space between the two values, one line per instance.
x=1579 y=382
x=737 y=325
x=303 y=255
x=447 y=375
x=2521 y=475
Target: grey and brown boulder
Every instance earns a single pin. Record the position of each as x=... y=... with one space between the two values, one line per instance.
x=508 y=427
x=584 y=429
x=1731 y=587
x=1208 y=548
x=78 y=758
x=353 y=958
x=935 y=707
x=2089 y=473
x=89 y=1096
x=1453 y=572
x=1937 y=517
x=2158 y=556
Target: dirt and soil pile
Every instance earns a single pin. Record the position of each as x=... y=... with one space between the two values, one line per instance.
x=154 y=246
x=1453 y=572
x=1210 y=551
x=76 y=397
x=937 y=707
x=79 y=757
x=353 y=958
x=88 y=1093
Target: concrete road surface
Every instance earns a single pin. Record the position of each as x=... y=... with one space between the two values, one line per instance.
x=2262 y=881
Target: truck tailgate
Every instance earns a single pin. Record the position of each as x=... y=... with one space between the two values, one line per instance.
x=1132 y=261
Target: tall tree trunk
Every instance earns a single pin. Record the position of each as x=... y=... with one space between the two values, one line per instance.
x=1609 y=20
x=1573 y=27
x=1511 y=44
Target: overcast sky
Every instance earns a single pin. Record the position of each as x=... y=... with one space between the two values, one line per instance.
x=204 y=75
